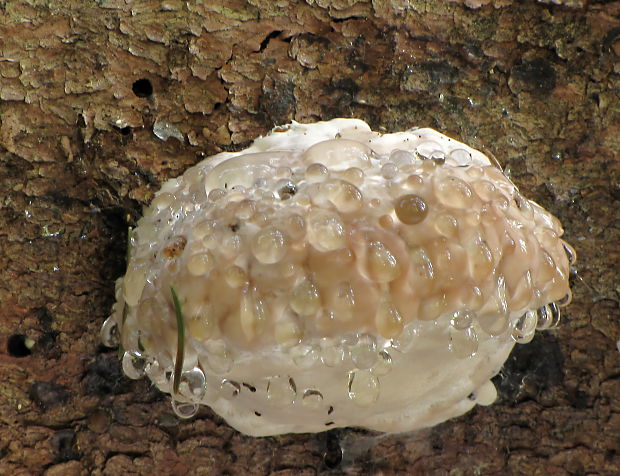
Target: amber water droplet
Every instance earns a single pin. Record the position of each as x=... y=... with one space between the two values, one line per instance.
x=383 y=266
x=305 y=299
x=411 y=209
x=200 y=263
x=454 y=192
x=326 y=230
x=388 y=320
x=269 y=245
x=235 y=276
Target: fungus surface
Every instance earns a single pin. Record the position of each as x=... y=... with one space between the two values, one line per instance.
x=332 y=276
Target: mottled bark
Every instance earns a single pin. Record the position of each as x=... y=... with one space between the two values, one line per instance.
x=89 y=93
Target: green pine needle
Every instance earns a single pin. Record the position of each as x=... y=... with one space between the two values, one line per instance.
x=178 y=365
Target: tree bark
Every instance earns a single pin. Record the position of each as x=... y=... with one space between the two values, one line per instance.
x=100 y=102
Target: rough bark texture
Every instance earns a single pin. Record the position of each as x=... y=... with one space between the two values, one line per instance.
x=81 y=151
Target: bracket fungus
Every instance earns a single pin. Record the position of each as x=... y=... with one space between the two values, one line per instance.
x=332 y=276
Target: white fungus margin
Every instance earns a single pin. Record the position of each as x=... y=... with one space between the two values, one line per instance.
x=331 y=276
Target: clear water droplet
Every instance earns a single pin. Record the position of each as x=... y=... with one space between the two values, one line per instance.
x=463 y=343
x=230 y=388
x=193 y=384
x=219 y=358
x=312 y=399
x=281 y=390
x=110 y=335
x=462 y=319
x=460 y=156
x=364 y=352
x=331 y=353
x=304 y=356
x=570 y=253
x=524 y=328
x=183 y=409
x=156 y=373
x=548 y=316
x=383 y=366
x=389 y=171
x=133 y=364
x=363 y=387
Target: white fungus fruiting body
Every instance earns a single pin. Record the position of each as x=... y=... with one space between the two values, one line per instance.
x=332 y=276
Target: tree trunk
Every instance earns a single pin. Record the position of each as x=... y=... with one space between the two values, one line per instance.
x=100 y=102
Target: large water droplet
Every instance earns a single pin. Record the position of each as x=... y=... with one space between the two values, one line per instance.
x=363 y=387
x=133 y=364
x=410 y=209
x=110 y=335
x=524 y=328
x=193 y=384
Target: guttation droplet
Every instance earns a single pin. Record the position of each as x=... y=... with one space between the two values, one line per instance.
x=548 y=316
x=110 y=336
x=269 y=245
x=230 y=388
x=193 y=384
x=463 y=343
x=411 y=209
x=363 y=387
x=281 y=390
x=133 y=364
x=183 y=409
x=364 y=352
x=524 y=328
x=312 y=398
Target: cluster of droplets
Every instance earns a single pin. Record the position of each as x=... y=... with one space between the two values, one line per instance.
x=338 y=257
